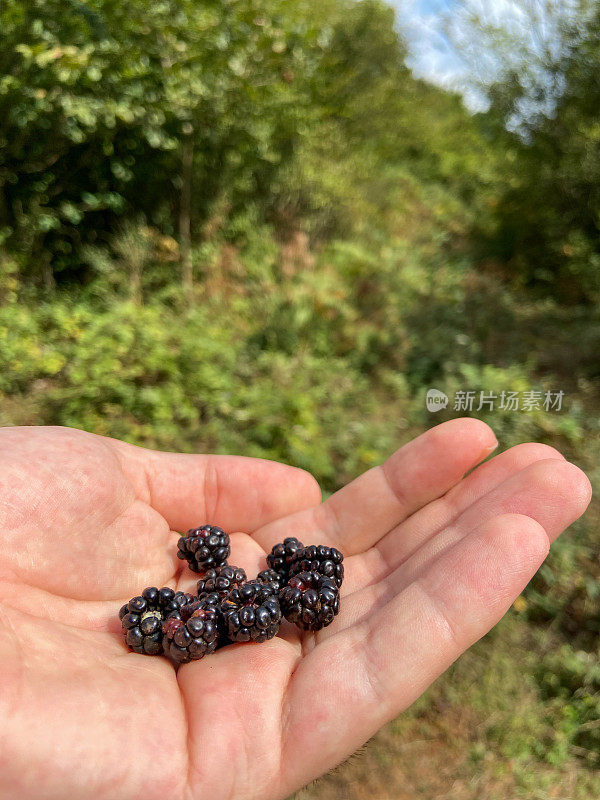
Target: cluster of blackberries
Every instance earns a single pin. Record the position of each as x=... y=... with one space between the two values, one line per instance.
x=301 y=584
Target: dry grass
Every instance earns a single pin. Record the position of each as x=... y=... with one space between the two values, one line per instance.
x=435 y=757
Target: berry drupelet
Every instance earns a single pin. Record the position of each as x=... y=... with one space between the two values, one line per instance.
x=206 y=547
x=251 y=612
x=310 y=601
x=271 y=577
x=221 y=581
x=282 y=555
x=142 y=617
x=192 y=632
x=327 y=561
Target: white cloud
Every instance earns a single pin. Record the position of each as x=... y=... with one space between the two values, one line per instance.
x=432 y=56
x=445 y=49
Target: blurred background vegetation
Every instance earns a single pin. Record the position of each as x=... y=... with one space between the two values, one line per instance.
x=245 y=226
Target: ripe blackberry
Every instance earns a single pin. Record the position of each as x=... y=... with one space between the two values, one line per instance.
x=176 y=602
x=220 y=581
x=282 y=555
x=251 y=612
x=271 y=577
x=142 y=617
x=206 y=547
x=327 y=561
x=192 y=632
x=310 y=601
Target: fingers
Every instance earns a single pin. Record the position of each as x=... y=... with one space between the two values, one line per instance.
x=357 y=516
x=553 y=492
x=356 y=681
x=234 y=492
x=405 y=539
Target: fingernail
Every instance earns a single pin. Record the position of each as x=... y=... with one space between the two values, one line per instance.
x=487 y=450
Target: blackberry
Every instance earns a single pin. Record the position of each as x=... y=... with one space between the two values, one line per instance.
x=206 y=547
x=176 y=602
x=192 y=632
x=327 y=561
x=271 y=577
x=310 y=601
x=142 y=618
x=221 y=581
x=251 y=612
x=282 y=555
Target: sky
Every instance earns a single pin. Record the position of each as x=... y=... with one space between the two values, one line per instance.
x=432 y=56
x=534 y=26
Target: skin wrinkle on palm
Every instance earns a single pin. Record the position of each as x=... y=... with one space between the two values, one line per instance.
x=433 y=561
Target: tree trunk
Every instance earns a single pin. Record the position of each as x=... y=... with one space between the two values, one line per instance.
x=135 y=282
x=3 y=207
x=47 y=273
x=185 y=212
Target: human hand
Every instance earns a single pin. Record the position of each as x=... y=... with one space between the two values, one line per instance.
x=433 y=560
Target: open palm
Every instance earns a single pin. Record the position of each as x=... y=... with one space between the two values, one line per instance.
x=433 y=560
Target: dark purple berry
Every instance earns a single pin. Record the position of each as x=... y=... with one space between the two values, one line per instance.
x=192 y=632
x=271 y=577
x=204 y=548
x=221 y=581
x=142 y=617
x=251 y=612
x=310 y=601
x=282 y=555
x=327 y=561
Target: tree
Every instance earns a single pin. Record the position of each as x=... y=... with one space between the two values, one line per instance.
x=544 y=102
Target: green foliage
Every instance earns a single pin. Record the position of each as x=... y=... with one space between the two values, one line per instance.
x=189 y=381
x=570 y=687
x=96 y=100
x=545 y=224
x=268 y=363
x=299 y=115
